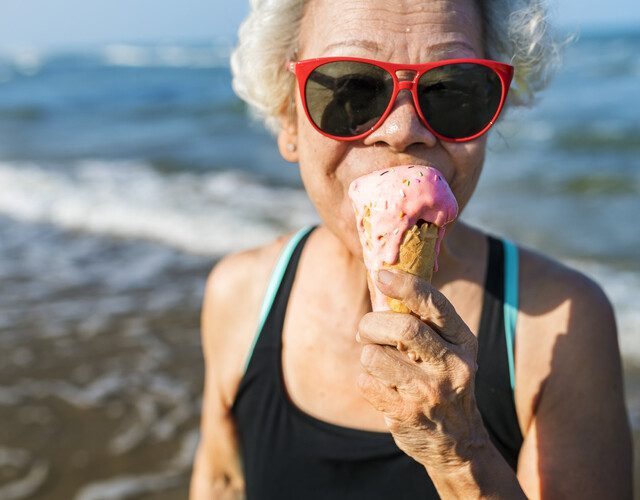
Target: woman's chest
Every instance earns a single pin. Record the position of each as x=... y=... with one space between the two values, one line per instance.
x=320 y=367
x=321 y=358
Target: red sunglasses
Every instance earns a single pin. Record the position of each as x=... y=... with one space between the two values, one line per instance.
x=347 y=98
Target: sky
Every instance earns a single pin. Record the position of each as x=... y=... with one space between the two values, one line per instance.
x=66 y=23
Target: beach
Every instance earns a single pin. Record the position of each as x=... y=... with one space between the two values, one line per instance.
x=128 y=171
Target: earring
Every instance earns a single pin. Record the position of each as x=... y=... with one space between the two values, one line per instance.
x=291 y=147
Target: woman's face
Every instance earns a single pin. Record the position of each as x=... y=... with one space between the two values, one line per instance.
x=400 y=31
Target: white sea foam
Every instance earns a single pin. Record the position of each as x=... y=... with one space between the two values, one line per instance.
x=26 y=485
x=205 y=213
x=28 y=60
x=122 y=487
x=24 y=59
x=89 y=396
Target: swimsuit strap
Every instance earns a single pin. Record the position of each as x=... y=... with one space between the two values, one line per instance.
x=274 y=284
x=510 y=302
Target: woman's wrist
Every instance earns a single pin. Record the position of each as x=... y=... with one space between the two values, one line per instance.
x=485 y=474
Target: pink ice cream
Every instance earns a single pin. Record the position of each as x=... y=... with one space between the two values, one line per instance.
x=398 y=197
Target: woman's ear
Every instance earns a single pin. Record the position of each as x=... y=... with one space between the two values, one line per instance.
x=288 y=134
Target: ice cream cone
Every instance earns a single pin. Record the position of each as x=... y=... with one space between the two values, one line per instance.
x=401 y=214
x=417 y=255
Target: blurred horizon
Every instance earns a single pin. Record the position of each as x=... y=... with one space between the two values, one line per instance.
x=227 y=42
x=192 y=21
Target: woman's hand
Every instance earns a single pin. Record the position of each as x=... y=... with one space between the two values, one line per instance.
x=419 y=370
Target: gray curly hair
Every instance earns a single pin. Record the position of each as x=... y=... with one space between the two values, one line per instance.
x=515 y=31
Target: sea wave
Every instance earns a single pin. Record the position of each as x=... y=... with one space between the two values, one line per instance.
x=202 y=213
x=23 y=60
x=174 y=56
x=600 y=185
x=128 y=486
x=622 y=139
x=24 y=114
x=171 y=111
x=587 y=184
x=28 y=61
x=34 y=476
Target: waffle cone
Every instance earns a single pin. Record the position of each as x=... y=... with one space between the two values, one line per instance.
x=417 y=255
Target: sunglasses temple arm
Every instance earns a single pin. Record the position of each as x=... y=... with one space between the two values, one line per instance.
x=324 y=80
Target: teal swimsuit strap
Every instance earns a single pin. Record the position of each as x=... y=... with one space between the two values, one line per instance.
x=274 y=284
x=510 y=302
x=510 y=293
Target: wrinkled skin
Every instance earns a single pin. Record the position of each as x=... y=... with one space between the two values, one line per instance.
x=436 y=30
x=418 y=369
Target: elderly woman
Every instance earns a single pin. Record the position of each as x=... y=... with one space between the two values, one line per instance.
x=517 y=389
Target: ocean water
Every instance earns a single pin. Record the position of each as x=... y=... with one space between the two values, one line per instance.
x=126 y=171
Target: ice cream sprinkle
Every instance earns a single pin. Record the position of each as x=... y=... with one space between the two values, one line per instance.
x=388 y=202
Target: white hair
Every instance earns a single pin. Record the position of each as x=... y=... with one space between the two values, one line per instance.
x=515 y=31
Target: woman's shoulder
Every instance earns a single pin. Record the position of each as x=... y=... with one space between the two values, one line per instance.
x=547 y=284
x=563 y=317
x=556 y=300
x=233 y=295
x=239 y=279
x=246 y=267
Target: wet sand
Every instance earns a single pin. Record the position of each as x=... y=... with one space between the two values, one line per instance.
x=137 y=432
x=101 y=392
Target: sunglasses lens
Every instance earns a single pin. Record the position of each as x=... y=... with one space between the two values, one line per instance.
x=459 y=100
x=347 y=98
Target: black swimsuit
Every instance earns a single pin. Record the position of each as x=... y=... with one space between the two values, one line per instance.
x=289 y=454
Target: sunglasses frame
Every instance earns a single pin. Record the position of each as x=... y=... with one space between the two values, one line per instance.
x=302 y=69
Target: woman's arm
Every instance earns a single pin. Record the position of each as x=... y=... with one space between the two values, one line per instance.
x=217 y=471
x=578 y=444
x=419 y=370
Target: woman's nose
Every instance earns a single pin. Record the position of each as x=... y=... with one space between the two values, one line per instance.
x=402 y=128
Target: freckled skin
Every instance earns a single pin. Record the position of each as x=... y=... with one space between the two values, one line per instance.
x=438 y=30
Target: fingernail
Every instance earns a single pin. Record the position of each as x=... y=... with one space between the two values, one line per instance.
x=357 y=336
x=384 y=277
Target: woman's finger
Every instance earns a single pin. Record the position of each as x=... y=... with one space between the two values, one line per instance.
x=426 y=302
x=381 y=396
x=388 y=365
x=417 y=340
